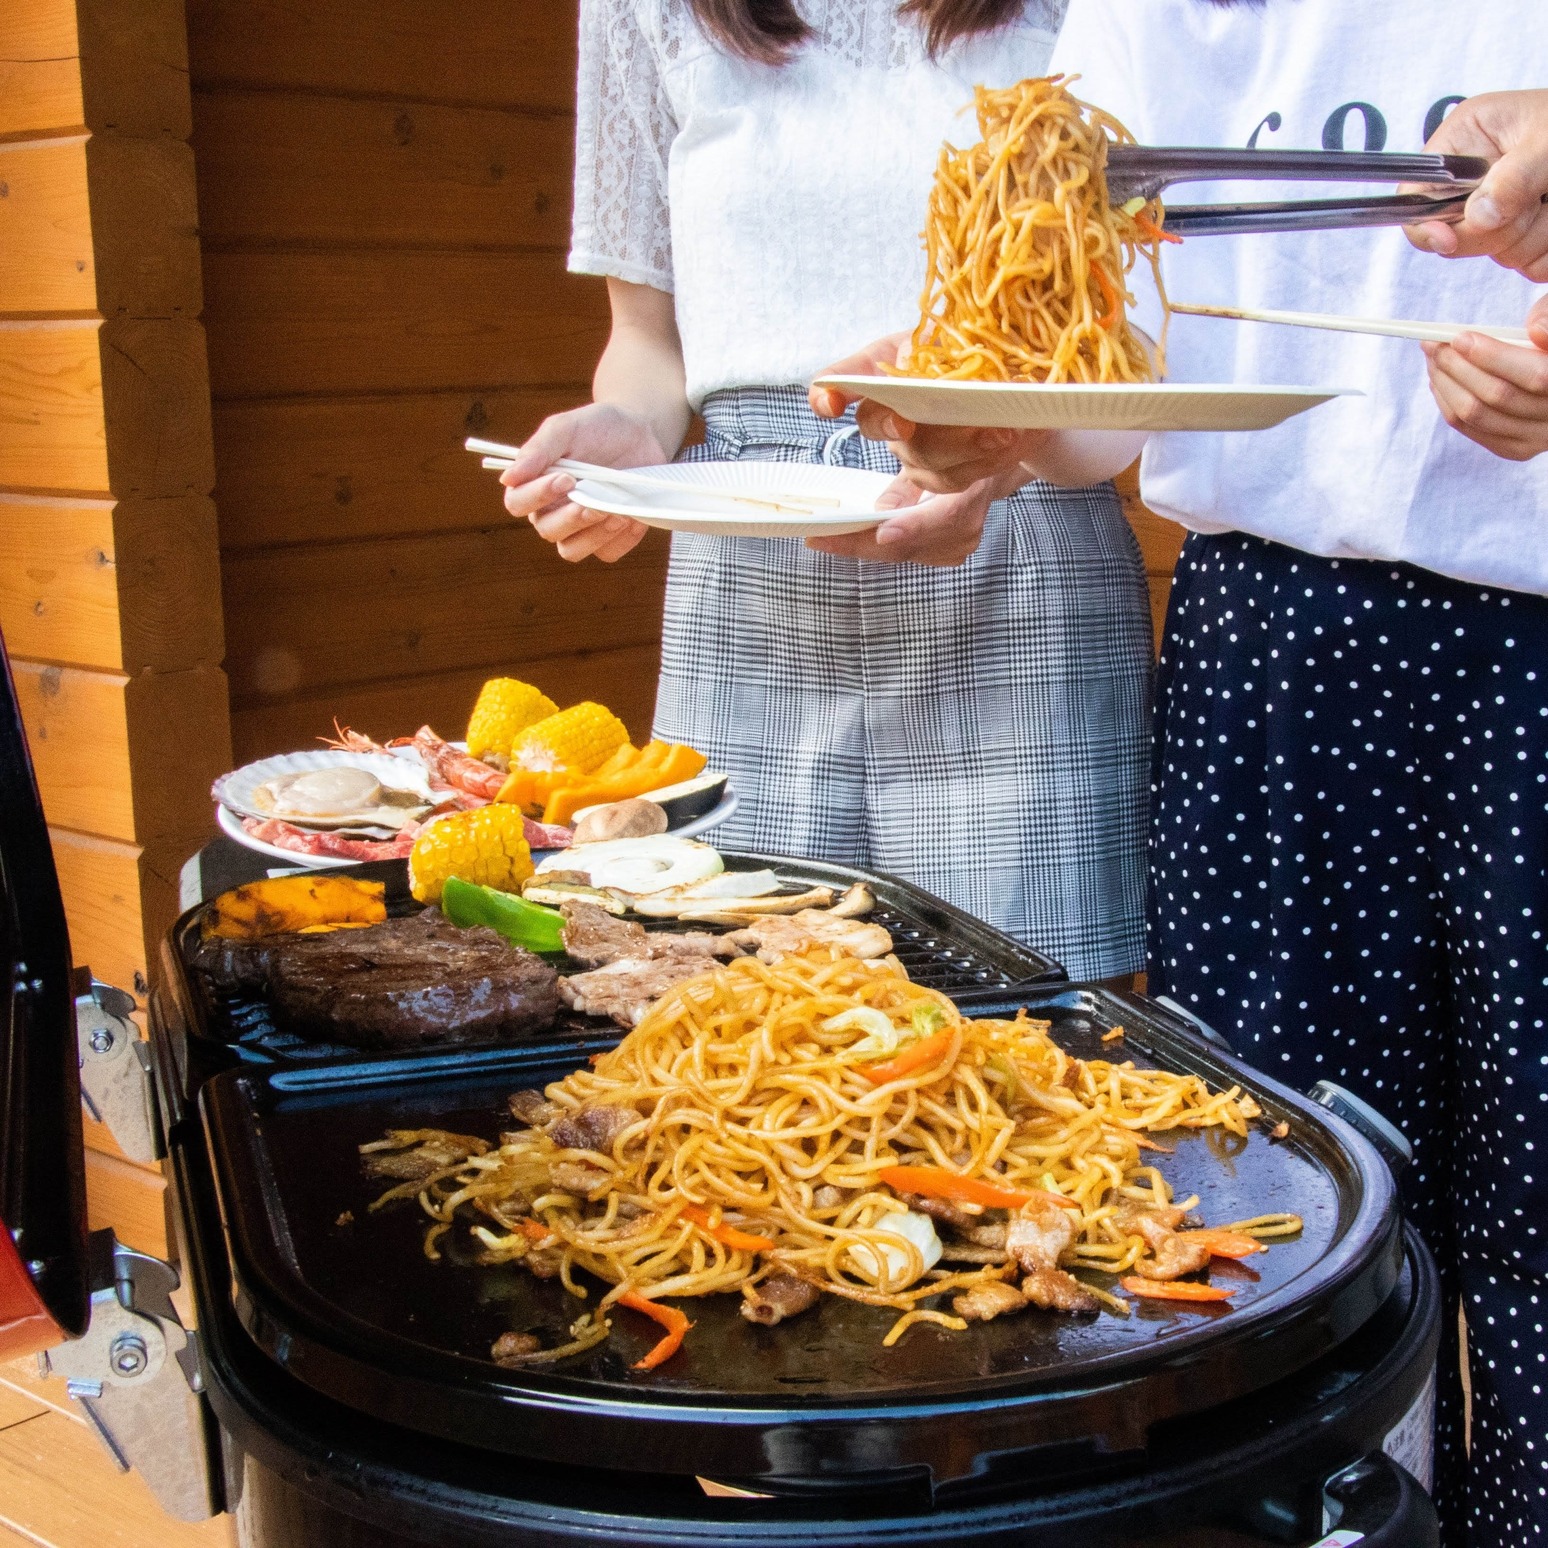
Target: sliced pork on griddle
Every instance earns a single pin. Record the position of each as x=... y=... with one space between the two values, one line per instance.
x=623 y=991
x=783 y=935
x=629 y=966
x=772 y=1300
x=595 y=938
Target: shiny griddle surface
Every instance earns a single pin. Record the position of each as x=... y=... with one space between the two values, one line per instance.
x=348 y=1302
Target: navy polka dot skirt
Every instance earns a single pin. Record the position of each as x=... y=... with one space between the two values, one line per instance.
x=1348 y=879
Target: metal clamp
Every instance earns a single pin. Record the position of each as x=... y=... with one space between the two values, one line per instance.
x=135 y=1376
x=116 y=1084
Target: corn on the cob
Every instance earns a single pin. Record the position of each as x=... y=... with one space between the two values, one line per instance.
x=504 y=710
x=485 y=845
x=579 y=739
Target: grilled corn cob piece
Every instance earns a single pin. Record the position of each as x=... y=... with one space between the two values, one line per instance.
x=504 y=710
x=485 y=845
x=578 y=739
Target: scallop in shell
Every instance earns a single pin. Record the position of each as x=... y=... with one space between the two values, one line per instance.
x=338 y=797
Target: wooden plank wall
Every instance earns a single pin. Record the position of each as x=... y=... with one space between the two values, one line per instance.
x=109 y=570
x=384 y=205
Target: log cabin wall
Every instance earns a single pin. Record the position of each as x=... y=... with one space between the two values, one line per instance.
x=109 y=573
x=384 y=206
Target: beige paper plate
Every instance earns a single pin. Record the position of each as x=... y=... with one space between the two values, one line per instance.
x=1087 y=406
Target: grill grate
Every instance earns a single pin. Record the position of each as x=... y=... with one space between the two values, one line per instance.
x=938 y=945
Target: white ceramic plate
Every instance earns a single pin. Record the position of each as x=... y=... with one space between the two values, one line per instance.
x=236 y=789
x=686 y=511
x=231 y=825
x=1087 y=405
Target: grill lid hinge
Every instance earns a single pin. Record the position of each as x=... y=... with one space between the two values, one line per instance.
x=135 y=1375
x=116 y=1084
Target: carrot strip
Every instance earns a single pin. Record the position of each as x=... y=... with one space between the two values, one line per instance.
x=1109 y=319
x=1150 y=1144
x=1225 y=1244
x=917 y=1056
x=742 y=1241
x=675 y=1323
x=535 y=1230
x=935 y=1183
x=1153 y=231
x=1174 y=1289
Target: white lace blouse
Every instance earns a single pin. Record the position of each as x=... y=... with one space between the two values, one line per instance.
x=782 y=205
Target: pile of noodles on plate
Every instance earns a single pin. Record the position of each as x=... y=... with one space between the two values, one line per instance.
x=817 y=1126
x=1026 y=258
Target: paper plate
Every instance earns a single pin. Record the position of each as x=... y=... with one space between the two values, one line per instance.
x=1087 y=405
x=236 y=790
x=684 y=510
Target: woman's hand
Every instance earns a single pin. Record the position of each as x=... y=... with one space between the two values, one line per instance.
x=942 y=530
x=1505 y=218
x=950 y=459
x=939 y=459
x=599 y=432
x=1496 y=393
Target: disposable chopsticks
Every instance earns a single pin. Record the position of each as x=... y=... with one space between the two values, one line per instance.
x=498 y=456
x=1389 y=327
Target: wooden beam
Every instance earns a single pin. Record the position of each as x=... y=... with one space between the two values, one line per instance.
x=102 y=65
x=349 y=322
x=100 y=880
x=46 y=260
x=302 y=619
x=624 y=679
x=40 y=78
x=128 y=758
x=129 y=1198
x=120 y=407
x=378 y=172
x=133 y=587
x=51 y=434
x=305 y=470
x=486 y=53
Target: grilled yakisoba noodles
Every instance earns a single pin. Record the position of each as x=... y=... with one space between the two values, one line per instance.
x=1027 y=260
x=769 y=1121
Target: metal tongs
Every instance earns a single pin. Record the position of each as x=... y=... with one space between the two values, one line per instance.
x=1142 y=171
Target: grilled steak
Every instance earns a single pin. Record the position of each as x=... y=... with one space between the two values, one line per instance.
x=393 y=985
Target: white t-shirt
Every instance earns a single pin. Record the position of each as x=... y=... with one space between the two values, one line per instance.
x=1381 y=476
x=783 y=205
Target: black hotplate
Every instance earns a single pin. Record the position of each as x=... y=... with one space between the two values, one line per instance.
x=345 y=1300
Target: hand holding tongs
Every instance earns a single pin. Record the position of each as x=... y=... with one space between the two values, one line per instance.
x=1142 y=171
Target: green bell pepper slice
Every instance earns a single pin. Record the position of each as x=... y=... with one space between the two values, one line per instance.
x=520 y=922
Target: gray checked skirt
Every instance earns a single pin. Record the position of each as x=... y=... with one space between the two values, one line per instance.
x=983 y=732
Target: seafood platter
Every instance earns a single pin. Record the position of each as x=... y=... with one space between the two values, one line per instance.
x=543 y=768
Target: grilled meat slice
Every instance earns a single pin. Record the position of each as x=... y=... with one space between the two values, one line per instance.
x=1174 y=1255
x=1038 y=1233
x=1168 y=1216
x=984 y=1303
x=404 y=983
x=577 y=1177
x=592 y=1128
x=941 y=1209
x=779 y=1296
x=988 y=1233
x=595 y=937
x=625 y=990
x=780 y=935
x=533 y=1108
x=1055 y=1290
x=437 y=1149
